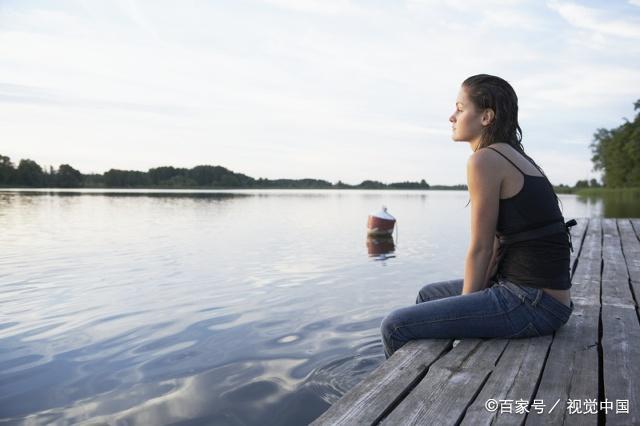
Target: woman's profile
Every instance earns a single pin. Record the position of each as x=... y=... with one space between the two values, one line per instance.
x=516 y=273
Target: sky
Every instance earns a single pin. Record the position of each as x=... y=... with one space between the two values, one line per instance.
x=327 y=89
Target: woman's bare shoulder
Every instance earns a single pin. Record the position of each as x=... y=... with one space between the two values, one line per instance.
x=483 y=166
x=515 y=157
x=483 y=158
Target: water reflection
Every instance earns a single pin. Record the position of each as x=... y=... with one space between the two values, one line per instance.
x=380 y=248
x=5 y=194
x=615 y=204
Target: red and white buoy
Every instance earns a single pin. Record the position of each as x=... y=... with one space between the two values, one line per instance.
x=381 y=223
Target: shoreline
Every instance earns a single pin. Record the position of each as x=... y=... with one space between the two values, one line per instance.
x=586 y=192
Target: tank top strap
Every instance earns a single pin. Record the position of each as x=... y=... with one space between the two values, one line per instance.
x=505 y=157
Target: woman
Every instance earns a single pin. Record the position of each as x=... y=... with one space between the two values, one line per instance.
x=517 y=288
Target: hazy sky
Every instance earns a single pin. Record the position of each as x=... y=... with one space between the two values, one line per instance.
x=330 y=89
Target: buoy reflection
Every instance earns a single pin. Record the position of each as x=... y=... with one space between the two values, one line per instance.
x=380 y=248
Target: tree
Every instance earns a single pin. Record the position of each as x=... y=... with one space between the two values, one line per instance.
x=617 y=153
x=68 y=177
x=93 y=180
x=125 y=178
x=29 y=173
x=582 y=184
x=178 y=181
x=371 y=184
x=6 y=170
x=409 y=185
x=159 y=174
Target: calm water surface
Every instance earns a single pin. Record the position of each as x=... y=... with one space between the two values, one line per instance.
x=238 y=308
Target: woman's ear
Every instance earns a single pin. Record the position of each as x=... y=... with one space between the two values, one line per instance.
x=487 y=116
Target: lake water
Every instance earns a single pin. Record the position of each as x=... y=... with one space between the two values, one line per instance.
x=209 y=307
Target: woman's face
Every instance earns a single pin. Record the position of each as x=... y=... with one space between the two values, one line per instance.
x=466 y=121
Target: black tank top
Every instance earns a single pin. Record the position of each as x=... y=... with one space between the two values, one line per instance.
x=542 y=262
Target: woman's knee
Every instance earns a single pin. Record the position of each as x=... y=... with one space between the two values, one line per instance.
x=427 y=293
x=439 y=290
x=389 y=328
x=389 y=323
x=421 y=297
x=393 y=323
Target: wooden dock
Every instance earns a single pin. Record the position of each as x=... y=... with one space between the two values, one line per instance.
x=587 y=373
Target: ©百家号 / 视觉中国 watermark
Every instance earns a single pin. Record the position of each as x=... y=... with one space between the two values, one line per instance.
x=573 y=406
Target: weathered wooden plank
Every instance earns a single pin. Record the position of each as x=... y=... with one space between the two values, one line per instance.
x=577 y=235
x=621 y=370
x=571 y=370
x=615 y=278
x=636 y=226
x=585 y=285
x=585 y=282
x=514 y=378
x=450 y=384
x=620 y=330
x=631 y=250
x=592 y=244
x=369 y=400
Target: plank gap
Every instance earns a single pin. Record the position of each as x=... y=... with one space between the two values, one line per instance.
x=574 y=265
x=407 y=390
x=538 y=380
x=601 y=392
x=472 y=399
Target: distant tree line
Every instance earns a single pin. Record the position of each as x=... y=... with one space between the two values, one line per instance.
x=29 y=174
x=617 y=153
x=581 y=184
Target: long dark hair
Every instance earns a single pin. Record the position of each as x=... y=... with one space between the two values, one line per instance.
x=488 y=91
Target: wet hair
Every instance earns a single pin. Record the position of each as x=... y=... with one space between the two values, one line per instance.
x=490 y=92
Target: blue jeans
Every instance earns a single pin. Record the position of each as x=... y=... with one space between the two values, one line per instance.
x=503 y=310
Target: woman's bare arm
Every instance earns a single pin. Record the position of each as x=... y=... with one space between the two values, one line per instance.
x=484 y=191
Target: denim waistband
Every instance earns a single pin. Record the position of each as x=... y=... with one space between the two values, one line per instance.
x=523 y=292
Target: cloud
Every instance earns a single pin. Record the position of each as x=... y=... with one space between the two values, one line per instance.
x=562 y=168
x=22 y=94
x=597 y=20
x=577 y=86
x=132 y=10
x=471 y=6
x=503 y=17
x=574 y=142
x=322 y=7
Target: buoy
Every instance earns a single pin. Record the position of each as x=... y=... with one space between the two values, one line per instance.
x=381 y=223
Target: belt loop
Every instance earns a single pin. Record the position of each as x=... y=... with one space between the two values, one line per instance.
x=538 y=297
x=515 y=290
